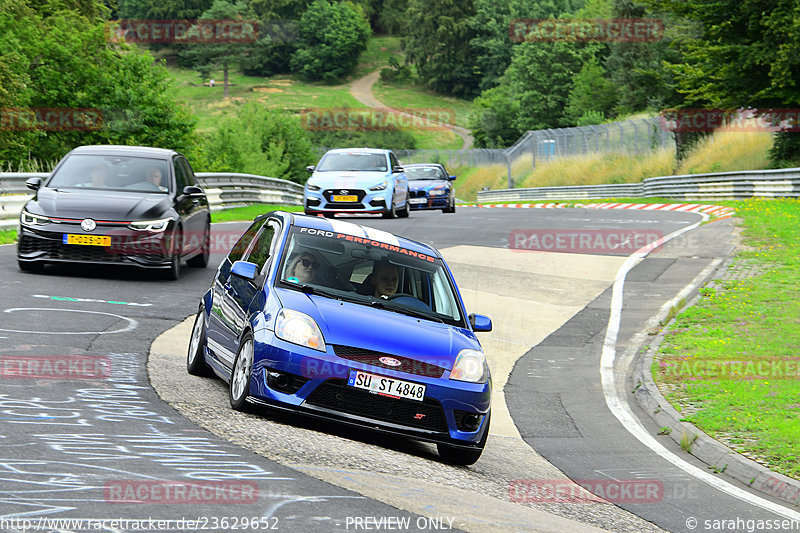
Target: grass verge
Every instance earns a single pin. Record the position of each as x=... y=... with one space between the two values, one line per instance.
x=410 y=97
x=8 y=236
x=249 y=212
x=730 y=363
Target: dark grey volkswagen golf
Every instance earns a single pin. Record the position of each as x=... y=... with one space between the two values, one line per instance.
x=123 y=205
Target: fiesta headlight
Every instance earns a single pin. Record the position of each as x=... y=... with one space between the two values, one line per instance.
x=155 y=226
x=299 y=328
x=437 y=192
x=379 y=187
x=29 y=219
x=470 y=366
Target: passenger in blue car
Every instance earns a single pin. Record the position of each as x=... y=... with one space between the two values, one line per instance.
x=385 y=277
x=304 y=267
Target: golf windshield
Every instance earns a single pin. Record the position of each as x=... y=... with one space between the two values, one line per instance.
x=138 y=174
x=370 y=270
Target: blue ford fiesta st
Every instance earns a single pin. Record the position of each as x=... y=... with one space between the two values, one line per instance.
x=347 y=323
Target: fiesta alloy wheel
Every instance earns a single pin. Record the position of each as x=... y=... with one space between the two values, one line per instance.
x=195 y=364
x=240 y=376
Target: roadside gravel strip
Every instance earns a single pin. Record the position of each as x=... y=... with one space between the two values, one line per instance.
x=528 y=296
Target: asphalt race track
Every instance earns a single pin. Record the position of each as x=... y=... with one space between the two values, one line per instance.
x=87 y=437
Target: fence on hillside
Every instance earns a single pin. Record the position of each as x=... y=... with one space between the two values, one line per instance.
x=634 y=136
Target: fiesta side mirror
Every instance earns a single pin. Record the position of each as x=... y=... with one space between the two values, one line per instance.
x=245 y=269
x=480 y=322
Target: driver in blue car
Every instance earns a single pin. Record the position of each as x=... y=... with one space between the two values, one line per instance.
x=303 y=268
x=385 y=277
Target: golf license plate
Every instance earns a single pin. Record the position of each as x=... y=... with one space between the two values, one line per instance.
x=87 y=240
x=345 y=198
x=384 y=385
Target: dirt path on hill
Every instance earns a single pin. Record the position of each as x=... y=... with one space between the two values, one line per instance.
x=361 y=89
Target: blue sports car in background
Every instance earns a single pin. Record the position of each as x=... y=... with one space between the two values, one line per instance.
x=357 y=180
x=347 y=323
x=430 y=187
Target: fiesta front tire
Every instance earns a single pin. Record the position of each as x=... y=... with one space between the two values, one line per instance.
x=195 y=362
x=239 y=388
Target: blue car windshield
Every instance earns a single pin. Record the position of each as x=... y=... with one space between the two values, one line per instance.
x=136 y=174
x=372 y=270
x=353 y=161
x=424 y=173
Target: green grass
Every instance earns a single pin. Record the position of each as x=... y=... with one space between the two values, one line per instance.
x=250 y=212
x=8 y=236
x=734 y=356
x=280 y=92
x=379 y=50
x=410 y=97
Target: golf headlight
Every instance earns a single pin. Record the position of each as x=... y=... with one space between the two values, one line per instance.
x=437 y=192
x=29 y=219
x=470 y=366
x=150 y=225
x=379 y=187
x=299 y=328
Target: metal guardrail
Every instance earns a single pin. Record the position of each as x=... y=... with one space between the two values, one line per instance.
x=224 y=190
x=717 y=186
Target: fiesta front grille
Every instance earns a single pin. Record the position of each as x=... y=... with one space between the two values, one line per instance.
x=335 y=395
x=371 y=357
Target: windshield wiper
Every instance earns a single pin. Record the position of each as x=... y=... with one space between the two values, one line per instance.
x=405 y=311
x=311 y=289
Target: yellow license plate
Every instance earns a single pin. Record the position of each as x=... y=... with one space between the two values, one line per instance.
x=88 y=240
x=345 y=198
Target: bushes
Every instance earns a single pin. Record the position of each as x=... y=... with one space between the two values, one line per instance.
x=257 y=140
x=332 y=36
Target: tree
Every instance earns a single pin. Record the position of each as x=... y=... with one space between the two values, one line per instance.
x=65 y=61
x=492 y=42
x=637 y=68
x=747 y=54
x=591 y=91
x=332 y=37
x=261 y=141
x=541 y=77
x=437 y=42
x=225 y=55
x=493 y=118
x=161 y=10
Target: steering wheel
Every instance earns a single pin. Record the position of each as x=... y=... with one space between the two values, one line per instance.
x=401 y=294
